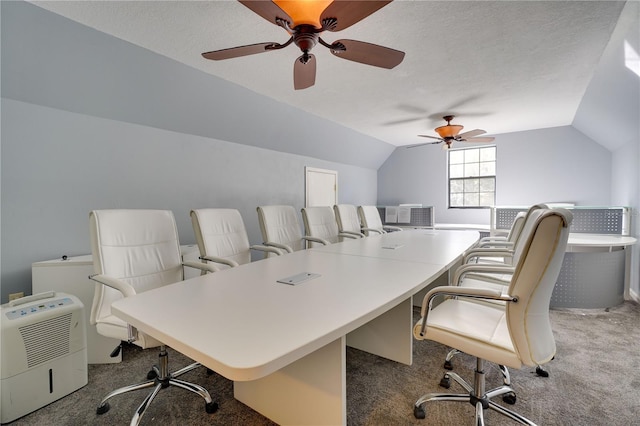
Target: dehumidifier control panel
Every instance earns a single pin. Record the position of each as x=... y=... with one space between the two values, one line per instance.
x=35 y=308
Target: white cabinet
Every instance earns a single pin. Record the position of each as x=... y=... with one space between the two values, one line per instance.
x=72 y=276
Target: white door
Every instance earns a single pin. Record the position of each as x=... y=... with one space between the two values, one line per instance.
x=321 y=187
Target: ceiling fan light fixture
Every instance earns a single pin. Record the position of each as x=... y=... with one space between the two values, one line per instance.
x=304 y=12
x=449 y=131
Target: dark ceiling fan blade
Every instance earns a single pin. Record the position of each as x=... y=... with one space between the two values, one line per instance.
x=348 y=13
x=470 y=134
x=304 y=72
x=268 y=10
x=432 y=137
x=235 y=52
x=483 y=139
x=367 y=53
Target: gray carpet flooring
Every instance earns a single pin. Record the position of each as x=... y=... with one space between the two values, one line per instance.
x=594 y=380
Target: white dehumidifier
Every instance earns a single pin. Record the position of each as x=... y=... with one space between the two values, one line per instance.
x=44 y=352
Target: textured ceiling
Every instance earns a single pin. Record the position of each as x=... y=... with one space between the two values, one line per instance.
x=501 y=66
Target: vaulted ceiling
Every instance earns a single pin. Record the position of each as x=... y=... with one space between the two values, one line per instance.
x=501 y=66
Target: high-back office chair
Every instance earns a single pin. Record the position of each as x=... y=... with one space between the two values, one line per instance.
x=222 y=237
x=508 y=240
x=320 y=223
x=495 y=273
x=515 y=336
x=136 y=251
x=280 y=228
x=347 y=219
x=497 y=252
x=371 y=222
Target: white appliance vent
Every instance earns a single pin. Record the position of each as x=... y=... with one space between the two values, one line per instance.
x=46 y=340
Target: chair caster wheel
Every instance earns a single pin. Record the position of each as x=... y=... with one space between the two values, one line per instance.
x=103 y=408
x=445 y=382
x=448 y=365
x=509 y=398
x=152 y=375
x=418 y=412
x=542 y=373
x=211 y=407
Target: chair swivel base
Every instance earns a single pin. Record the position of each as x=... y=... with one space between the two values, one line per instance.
x=481 y=403
x=162 y=379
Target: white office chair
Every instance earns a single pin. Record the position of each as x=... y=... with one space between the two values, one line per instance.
x=320 y=223
x=493 y=250
x=506 y=241
x=495 y=274
x=515 y=336
x=136 y=251
x=347 y=219
x=280 y=228
x=222 y=238
x=371 y=222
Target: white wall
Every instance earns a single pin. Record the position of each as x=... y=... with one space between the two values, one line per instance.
x=545 y=165
x=610 y=114
x=91 y=122
x=57 y=166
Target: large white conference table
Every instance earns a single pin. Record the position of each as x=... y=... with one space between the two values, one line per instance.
x=284 y=346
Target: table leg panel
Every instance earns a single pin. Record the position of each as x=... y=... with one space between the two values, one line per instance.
x=310 y=391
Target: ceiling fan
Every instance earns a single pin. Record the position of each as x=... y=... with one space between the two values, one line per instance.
x=304 y=21
x=451 y=132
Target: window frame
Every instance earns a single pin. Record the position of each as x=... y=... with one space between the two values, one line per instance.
x=463 y=179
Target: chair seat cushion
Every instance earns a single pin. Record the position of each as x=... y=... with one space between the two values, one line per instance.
x=473 y=328
x=114 y=327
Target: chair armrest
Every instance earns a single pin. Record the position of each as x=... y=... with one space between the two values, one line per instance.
x=475 y=293
x=393 y=228
x=316 y=240
x=201 y=266
x=497 y=244
x=124 y=288
x=473 y=268
x=221 y=260
x=279 y=246
x=377 y=231
x=352 y=235
x=486 y=252
x=492 y=239
x=267 y=249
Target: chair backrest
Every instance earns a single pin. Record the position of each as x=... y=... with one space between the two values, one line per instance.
x=516 y=227
x=221 y=233
x=528 y=213
x=536 y=273
x=139 y=247
x=279 y=224
x=370 y=218
x=347 y=218
x=527 y=228
x=320 y=222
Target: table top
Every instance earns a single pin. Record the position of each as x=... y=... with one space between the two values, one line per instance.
x=243 y=324
x=411 y=245
x=599 y=240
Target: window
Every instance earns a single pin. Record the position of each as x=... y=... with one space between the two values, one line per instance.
x=472 y=177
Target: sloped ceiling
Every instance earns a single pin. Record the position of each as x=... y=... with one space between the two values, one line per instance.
x=501 y=66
